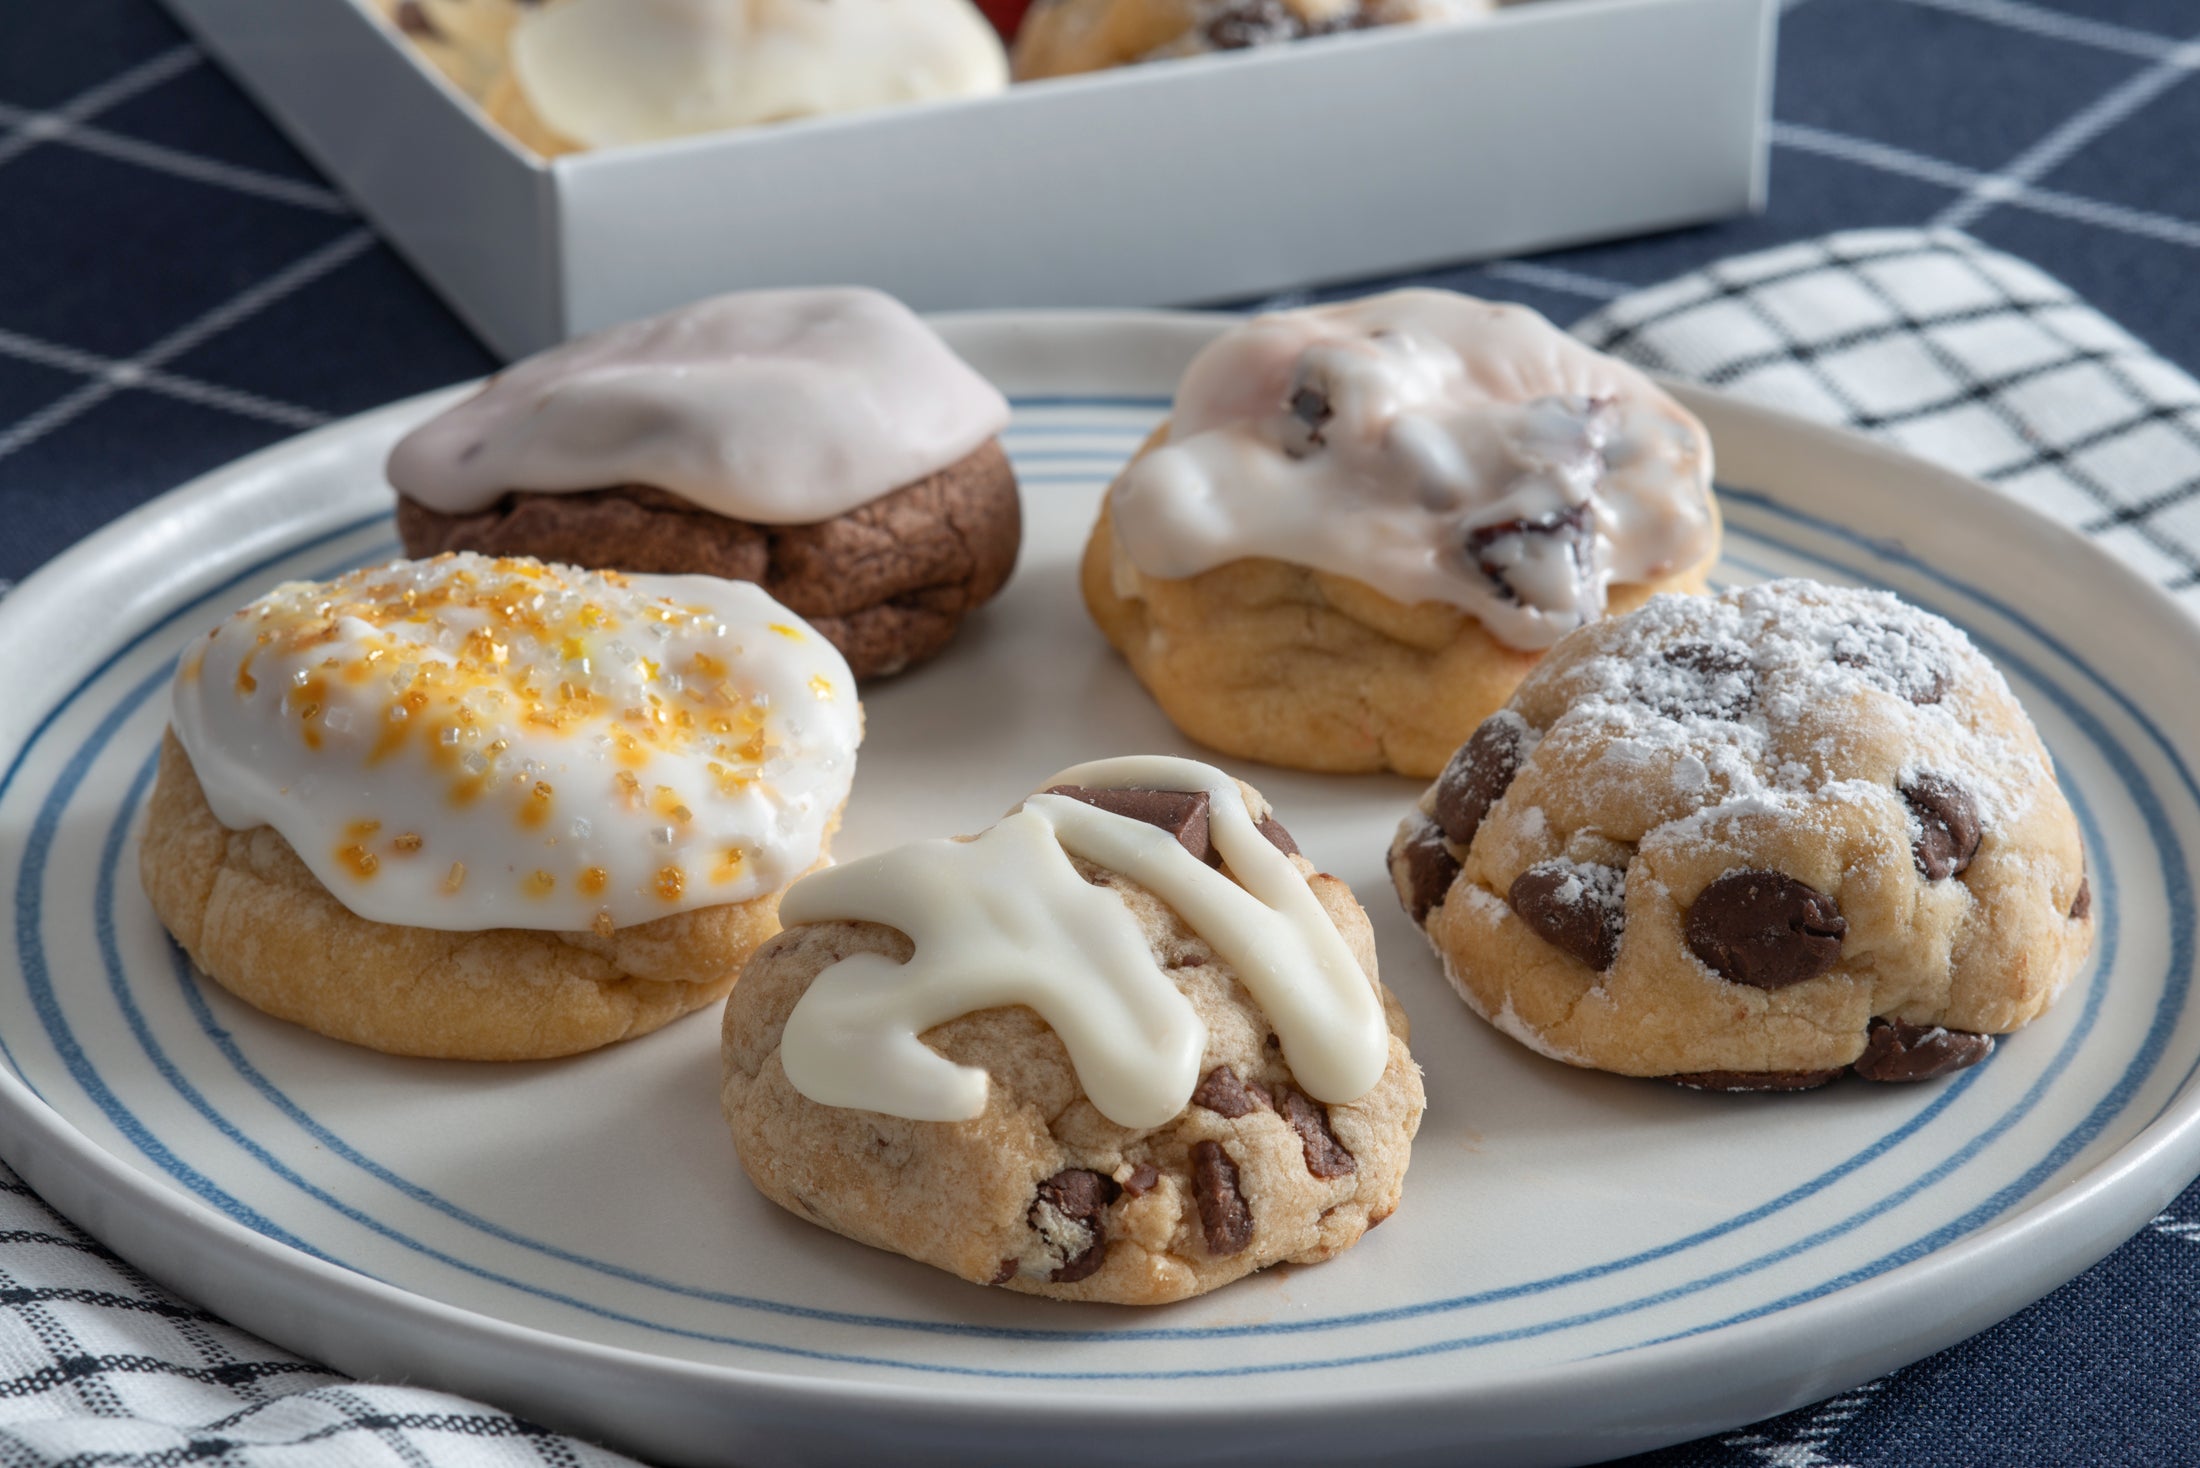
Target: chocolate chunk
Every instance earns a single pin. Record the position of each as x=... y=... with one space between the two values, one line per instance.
x=1221 y=1092
x=1005 y=1273
x=1895 y=1050
x=1263 y=22
x=1477 y=774
x=1429 y=866
x=1079 y=1195
x=1752 y=1080
x=1311 y=407
x=1576 y=907
x=1326 y=1157
x=1701 y=680
x=2081 y=906
x=1887 y=657
x=1181 y=813
x=1498 y=551
x=1765 y=929
x=1223 y=1215
x=414 y=20
x=1948 y=825
x=1278 y=837
x=1143 y=1179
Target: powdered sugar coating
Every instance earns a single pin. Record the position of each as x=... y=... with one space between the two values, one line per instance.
x=1773 y=729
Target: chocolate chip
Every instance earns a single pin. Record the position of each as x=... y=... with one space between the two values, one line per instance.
x=1005 y=1273
x=1705 y=681
x=2081 y=906
x=1181 y=813
x=1499 y=550
x=1575 y=907
x=1429 y=865
x=1895 y=1050
x=1765 y=929
x=1477 y=774
x=1079 y=1195
x=414 y=20
x=1143 y=1179
x=1221 y=1092
x=1947 y=818
x=1278 y=837
x=1223 y=1215
x=1752 y=1080
x=1311 y=406
x=1326 y=1157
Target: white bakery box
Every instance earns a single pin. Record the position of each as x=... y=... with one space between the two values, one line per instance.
x=1548 y=123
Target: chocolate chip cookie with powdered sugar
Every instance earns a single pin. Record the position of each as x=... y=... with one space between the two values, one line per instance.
x=1751 y=842
x=1127 y=1045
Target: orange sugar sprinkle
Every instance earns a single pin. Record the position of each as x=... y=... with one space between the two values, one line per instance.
x=408 y=843
x=730 y=862
x=709 y=666
x=629 y=787
x=821 y=685
x=592 y=880
x=671 y=882
x=455 y=878
x=363 y=863
x=602 y=924
x=539 y=883
x=361 y=830
x=792 y=634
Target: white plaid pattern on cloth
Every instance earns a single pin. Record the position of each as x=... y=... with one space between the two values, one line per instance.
x=99 y=1365
x=1959 y=354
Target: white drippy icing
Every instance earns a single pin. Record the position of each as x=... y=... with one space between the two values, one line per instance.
x=1422 y=418
x=1004 y=918
x=604 y=72
x=467 y=743
x=777 y=407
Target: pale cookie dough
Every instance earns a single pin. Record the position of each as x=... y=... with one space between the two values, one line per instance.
x=1749 y=842
x=1040 y=1192
x=256 y=921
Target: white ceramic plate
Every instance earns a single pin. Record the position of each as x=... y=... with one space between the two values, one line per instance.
x=1583 y=1265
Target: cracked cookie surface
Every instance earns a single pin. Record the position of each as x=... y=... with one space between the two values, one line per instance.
x=1751 y=842
x=1041 y=1192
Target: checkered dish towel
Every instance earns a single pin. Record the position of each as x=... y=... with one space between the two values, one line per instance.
x=1949 y=349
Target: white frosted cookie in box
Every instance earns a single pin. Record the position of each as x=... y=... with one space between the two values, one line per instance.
x=562 y=76
x=1362 y=524
x=1751 y=842
x=823 y=443
x=491 y=809
x=1126 y=1045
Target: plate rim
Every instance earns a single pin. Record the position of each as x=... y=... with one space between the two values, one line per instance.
x=2079 y=1223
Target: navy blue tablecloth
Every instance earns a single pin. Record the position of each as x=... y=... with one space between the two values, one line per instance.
x=178 y=287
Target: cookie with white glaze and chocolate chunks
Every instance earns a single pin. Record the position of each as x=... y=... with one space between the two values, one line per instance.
x=1751 y=842
x=1362 y=525
x=825 y=444
x=1170 y=1066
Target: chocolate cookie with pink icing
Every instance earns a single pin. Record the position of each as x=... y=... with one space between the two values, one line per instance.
x=1362 y=524
x=825 y=444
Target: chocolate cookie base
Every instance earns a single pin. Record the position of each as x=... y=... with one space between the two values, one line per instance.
x=887 y=583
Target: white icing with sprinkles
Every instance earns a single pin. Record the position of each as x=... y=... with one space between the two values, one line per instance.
x=1435 y=447
x=775 y=407
x=466 y=743
x=1004 y=918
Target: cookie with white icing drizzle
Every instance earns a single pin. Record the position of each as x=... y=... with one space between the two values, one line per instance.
x=1751 y=842
x=494 y=809
x=1064 y=37
x=1126 y=1045
x=1362 y=524
x=825 y=444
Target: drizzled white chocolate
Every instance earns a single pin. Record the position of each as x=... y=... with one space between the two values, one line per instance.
x=1435 y=447
x=1004 y=918
x=604 y=72
x=467 y=743
x=776 y=407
